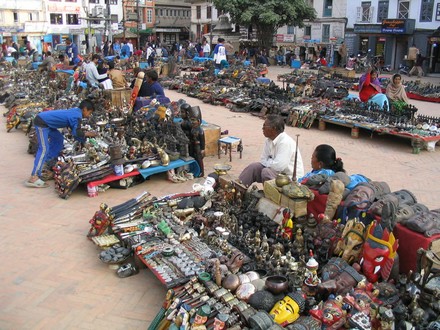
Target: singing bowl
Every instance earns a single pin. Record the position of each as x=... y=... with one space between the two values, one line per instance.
x=277 y=284
x=222 y=169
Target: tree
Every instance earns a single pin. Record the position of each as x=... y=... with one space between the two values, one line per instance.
x=267 y=15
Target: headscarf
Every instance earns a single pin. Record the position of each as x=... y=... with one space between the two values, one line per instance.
x=375 y=82
x=397 y=92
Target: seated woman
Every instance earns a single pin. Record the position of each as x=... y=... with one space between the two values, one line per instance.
x=370 y=90
x=395 y=90
x=324 y=161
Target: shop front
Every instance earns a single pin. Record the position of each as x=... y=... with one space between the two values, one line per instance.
x=390 y=40
x=434 y=52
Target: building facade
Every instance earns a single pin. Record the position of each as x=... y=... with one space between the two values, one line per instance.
x=172 y=21
x=22 y=20
x=326 y=32
x=390 y=27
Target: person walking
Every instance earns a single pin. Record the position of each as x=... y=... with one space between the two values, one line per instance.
x=417 y=68
x=342 y=51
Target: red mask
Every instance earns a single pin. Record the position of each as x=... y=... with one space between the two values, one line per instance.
x=379 y=252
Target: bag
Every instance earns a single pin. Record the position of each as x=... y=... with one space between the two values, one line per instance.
x=153 y=54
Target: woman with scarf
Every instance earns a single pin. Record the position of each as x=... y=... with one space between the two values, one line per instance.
x=370 y=90
x=395 y=90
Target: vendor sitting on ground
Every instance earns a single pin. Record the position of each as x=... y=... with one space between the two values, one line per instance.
x=150 y=86
x=324 y=161
x=117 y=76
x=395 y=90
x=51 y=141
x=370 y=90
x=47 y=64
x=278 y=155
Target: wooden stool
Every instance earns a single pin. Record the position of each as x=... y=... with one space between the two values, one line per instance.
x=230 y=141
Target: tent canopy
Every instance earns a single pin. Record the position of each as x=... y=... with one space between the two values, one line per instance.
x=127 y=35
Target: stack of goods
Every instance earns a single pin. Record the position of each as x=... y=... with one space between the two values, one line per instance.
x=229 y=266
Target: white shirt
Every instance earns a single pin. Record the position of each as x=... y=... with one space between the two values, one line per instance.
x=221 y=54
x=279 y=155
x=206 y=48
x=130 y=45
x=92 y=74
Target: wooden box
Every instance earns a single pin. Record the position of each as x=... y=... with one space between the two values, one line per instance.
x=271 y=191
x=119 y=97
x=212 y=134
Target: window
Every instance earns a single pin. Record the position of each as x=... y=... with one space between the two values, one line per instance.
x=308 y=30
x=113 y=2
x=114 y=18
x=56 y=19
x=403 y=9
x=199 y=12
x=209 y=12
x=290 y=29
x=328 y=5
x=325 y=32
x=382 y=10
x=366 y=11
x=198 y=30
x=71 y=0
x=166 y=13
x=72 y=19
x=149 y=15
x=426 y=10
x=15 y=17
x=93 y=1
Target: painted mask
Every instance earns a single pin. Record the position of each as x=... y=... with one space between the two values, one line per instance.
x=331 y=314
x=287 y=310
x=353 y=237
x=360 y=196
x=343 y=282
x=332 y=268
x=202 y=315
x=426 y=223
x=376 y=207
x=220 y=321
x=380 y=250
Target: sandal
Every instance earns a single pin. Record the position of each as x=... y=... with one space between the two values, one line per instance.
x=37 y=184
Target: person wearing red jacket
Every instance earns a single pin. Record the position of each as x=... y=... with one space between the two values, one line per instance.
x=370 y=90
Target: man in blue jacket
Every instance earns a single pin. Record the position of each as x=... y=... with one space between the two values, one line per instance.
x=51 y=141
x=72 y=52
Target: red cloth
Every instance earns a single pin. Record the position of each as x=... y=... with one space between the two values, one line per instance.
x=112 y=177
x=317 y=205
x=409 y=242
x=368 y=89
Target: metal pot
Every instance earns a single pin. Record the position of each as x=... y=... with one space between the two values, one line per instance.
x=282 y=180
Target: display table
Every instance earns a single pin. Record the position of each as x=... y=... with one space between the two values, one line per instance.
x=429 y=141
x=194 y=168
x=409 y=242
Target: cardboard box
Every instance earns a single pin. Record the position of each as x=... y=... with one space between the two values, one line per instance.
x=212 y=134
x=119 y=97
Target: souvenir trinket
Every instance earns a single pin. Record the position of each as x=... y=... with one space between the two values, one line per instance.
x=288 y=309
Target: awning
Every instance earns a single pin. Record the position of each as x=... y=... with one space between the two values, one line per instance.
x=126 y=34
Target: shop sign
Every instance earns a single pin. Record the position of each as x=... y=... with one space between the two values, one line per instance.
x=367 y=28
x=11 y=29
x=285 y=38
x=393 y=26
x=59 y=8
x=437 y=12
x=76 y=31
x=167 y=30
x=381 y=39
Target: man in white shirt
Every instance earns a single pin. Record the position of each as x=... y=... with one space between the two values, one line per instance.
x=92 y=74
x=206 y=48
x=219 y=53
x=278 y=155
x=130 y=45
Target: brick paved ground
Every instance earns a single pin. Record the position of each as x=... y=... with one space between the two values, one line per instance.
x=51 y=276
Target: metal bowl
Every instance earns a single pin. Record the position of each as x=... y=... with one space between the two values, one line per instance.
x=222 y=169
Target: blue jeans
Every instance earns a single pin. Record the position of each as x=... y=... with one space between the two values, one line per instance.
x=50 y=144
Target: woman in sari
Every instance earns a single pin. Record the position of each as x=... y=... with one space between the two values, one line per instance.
x=395 y=90
x=370 y=90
